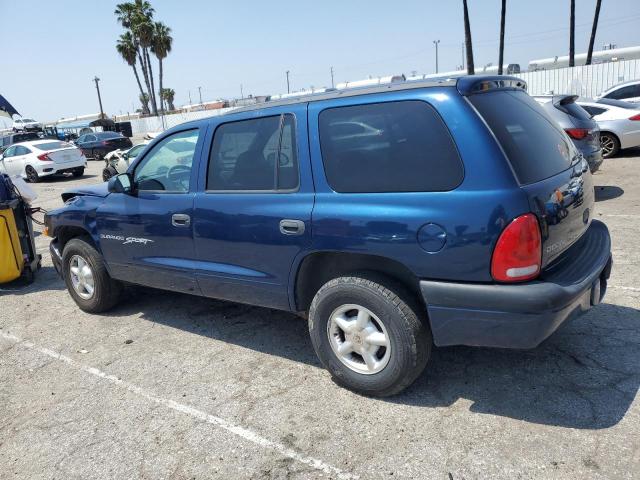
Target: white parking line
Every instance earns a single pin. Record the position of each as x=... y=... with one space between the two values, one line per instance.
x=620 y=287
x=621 y=215
x=186 y=409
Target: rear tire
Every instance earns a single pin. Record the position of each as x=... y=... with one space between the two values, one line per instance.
x=610 y=144
x=86 y=277
x=108 y=172
x=392 y=349
x=31 y=174
x=78 y=172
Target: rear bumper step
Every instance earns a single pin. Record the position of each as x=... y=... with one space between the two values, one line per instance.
x=522 y=315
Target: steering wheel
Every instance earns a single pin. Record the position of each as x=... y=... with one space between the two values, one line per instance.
x=284 y=158
x=178 y=174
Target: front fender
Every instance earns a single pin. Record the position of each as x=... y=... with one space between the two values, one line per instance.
x=78 y=214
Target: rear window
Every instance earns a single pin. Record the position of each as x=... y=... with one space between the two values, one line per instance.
x=108 y=135
x=575 y=110
x=388 y=147
x=534 y=146
x=23 y=137
x=51 y=146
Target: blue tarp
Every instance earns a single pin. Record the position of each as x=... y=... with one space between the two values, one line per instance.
x=6 y=109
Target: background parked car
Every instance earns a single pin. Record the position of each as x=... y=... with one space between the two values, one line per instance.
x=628 y=91
x=619 y=124
x=118 y=161
x=97 y=144
x=577 y=123
x=7 y=140
x=26 y=125
x=40 y=158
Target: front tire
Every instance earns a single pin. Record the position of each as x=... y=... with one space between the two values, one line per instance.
x=368 y=336
x=86 y=277
x=610 y=144
x=78 y=172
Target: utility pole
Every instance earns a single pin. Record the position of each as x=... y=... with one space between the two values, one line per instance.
x=332 y=85
x=241 y=92
x=436 y=42
x=96 y=79
x=200 y=93
x=190 y=102
x=288 y=89
x=462 y=56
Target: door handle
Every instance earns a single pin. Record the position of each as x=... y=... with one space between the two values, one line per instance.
x=291 y=227
x=180 y=220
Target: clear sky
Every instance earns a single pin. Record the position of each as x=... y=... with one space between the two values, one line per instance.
x=51 y=50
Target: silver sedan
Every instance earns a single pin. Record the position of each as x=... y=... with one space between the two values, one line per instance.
x=619 y=124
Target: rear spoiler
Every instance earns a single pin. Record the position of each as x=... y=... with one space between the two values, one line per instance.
x=473 y=84
x=560 y=101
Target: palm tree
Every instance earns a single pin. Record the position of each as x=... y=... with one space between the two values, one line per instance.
x=168 y=94
x=572 y=34
x=467 y=40
x=503 y=14
x=127 y=49
x=144 y=99
x=143 y=28
x=161 y=47
x=594 y=28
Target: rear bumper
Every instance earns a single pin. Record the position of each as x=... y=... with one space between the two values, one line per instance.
x=522 y=315
x=594 y=160
x=53 y=168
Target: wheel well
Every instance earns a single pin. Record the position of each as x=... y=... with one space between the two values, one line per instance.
x=610 y=133
x=65 y=233
x=318 y=268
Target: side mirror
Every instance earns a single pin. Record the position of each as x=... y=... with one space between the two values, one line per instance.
x=125 y=155
x=120 y=184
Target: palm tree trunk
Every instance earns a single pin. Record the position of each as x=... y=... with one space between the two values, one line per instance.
x=154 y=103
x=145 y=73
x=467 y=40
x=572 y=34
x=160 y=91
x=503 y=14
x=145 y=107
x=594 y=28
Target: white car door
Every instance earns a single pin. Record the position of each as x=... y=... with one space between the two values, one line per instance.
x=7 y=160
x=19 y=160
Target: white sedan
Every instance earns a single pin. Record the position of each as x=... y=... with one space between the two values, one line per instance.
x=26 y=125
x=619 y=124
x=39 y=158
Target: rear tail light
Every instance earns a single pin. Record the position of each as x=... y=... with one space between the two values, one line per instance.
x=635 y=117
x=518 y=253
x=44 y=157
x=577 y=133
x=104 y=142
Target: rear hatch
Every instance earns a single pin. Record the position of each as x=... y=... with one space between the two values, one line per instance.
x=117 y=142
x=60 y=152
x=546 y=163
x=583 y=130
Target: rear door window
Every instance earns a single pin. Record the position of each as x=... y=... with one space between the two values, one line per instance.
x=254 y=155
x=388 y=147
x=534 y=146
x=630 y=91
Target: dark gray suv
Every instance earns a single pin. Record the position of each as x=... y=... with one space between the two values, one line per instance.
x=577 y=123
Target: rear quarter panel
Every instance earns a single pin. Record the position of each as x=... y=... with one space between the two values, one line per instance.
x=387 y=224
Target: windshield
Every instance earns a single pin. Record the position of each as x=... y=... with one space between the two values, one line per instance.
x=536 y=148
x=618 y=103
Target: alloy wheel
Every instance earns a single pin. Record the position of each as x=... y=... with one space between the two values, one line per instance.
x=81 y=277
x=359 y=339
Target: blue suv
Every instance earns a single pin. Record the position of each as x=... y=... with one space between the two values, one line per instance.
x=392 y=217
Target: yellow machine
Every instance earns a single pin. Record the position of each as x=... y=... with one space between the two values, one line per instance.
x=11 y=260
x=18 y=257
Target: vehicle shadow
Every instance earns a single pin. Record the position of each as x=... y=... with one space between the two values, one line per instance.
x=607 y=192
x=46 y=279
x=66 y=178
x=585 y=376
